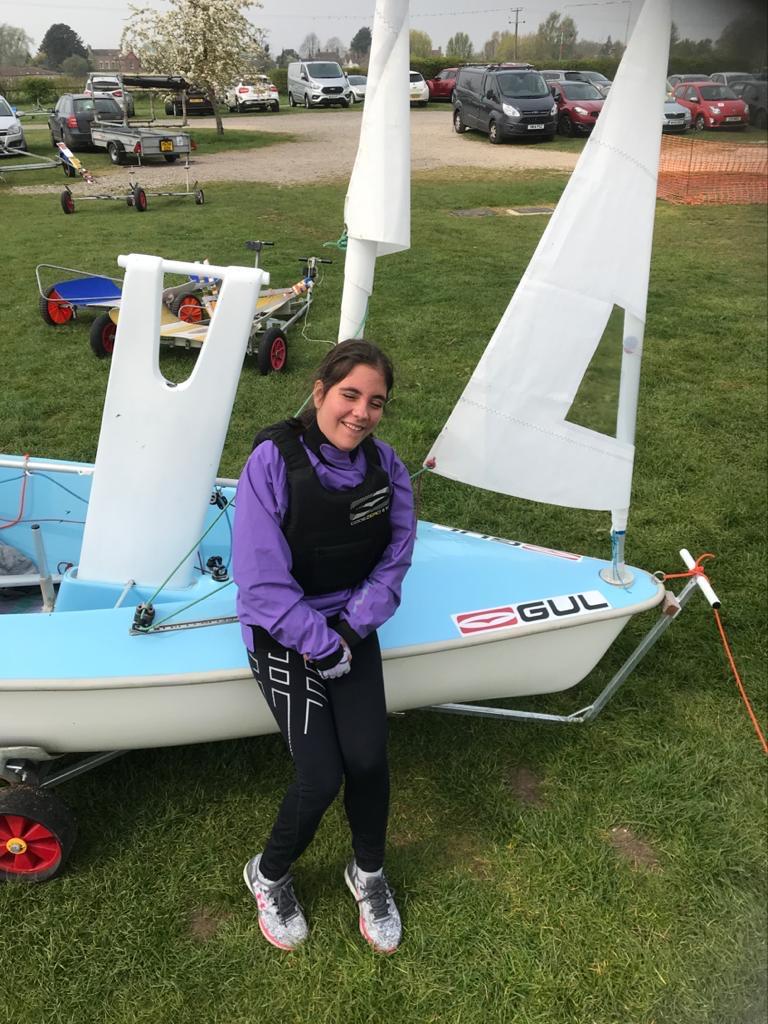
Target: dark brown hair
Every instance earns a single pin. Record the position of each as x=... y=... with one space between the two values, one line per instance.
x=341 y=360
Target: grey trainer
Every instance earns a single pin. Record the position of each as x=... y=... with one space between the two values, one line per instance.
x=379 y=918
x=281 y=918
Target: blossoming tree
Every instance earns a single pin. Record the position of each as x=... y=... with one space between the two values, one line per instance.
x=210 y=43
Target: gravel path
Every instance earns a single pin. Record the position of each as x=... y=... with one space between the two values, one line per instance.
x=325 y=147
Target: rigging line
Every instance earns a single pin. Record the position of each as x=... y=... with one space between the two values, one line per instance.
x=178 y=611
x=22 y=496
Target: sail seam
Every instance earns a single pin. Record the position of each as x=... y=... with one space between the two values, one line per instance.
x=620 y=152
x=547 y=433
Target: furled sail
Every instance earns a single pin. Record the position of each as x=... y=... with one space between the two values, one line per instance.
x=377 y=211
x=508 y=431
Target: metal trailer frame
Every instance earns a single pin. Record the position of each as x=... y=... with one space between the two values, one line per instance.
x=46 y=163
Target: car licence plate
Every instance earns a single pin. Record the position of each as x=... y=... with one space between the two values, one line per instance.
x=733 y=118
x=166 y=146
x=535 y=127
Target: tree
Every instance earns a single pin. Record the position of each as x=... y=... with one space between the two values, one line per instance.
x=60 y=42
x=360 y=46
x=459 y=47
x=285 y=57
x=75 y=66
x=556 y=35
x=743 y=40
x=335 y=45
x=310 y=47
x=421 y=44
x=14 y=45
x=208 y=42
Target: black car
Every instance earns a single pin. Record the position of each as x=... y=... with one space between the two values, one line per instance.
x=755 y=95
x=504 y=101
x=70 y=121
x=197 y=103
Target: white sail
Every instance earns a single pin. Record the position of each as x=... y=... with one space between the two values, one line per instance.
x=377 y=211
x=508 y=431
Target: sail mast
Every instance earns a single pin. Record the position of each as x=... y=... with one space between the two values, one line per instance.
x=377 y=211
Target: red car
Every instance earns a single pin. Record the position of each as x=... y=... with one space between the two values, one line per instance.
x=578 y=106
x=442 y=85
x=712 y=105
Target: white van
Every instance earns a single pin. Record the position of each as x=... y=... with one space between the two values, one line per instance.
x=317 y=83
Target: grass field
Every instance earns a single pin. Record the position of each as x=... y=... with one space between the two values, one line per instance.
x=609 y=874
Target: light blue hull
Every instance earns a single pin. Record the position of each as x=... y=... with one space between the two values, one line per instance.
x=480 y=618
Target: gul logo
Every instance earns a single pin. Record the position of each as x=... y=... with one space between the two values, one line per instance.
x=548 y=608
x=483 y=621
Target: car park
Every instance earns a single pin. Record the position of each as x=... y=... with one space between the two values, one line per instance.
x=11 y=132
x=674 y=80
x=712 y=105
x=254 y=93
x=505 y=101
x=357 y=84
x=753 y=92
x=317 y=83
x=578 y=106
x=197 y=102
x=442 y=85
x=600 y=82
x=71 y=119
x=419 y=90
x=676 y=118
x=730 y=77
x=109 y=85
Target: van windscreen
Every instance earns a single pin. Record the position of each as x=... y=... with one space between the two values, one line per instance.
x=522 y=85
x=324 y=69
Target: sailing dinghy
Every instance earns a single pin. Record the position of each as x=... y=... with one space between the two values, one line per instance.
x=481 y=617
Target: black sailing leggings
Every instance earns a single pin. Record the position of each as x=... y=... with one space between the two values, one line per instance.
x=334 y=730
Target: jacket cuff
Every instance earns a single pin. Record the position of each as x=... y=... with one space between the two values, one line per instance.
x=345 y=631
x=330 y=660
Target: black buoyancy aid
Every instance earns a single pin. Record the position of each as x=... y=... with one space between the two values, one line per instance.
x=336 y=537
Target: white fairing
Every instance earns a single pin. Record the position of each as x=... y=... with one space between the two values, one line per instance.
x=508 y=431
x=160 y=444
x=377 y=211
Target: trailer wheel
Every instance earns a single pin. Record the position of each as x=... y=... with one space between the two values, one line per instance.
x=272 y=353
x=67 y=202
x=37 y=833
x=199 y=197
x=170 y=158
x=115 y=152
x=53 y=309
x=188 y=308
x=139 y=199
x=68 y=169
x=102 y=338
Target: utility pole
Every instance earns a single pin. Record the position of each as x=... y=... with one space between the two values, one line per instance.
x=516 y=11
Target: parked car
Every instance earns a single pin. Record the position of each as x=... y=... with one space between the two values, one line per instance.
x=11 y=132
x=753 y=92
x=442 y=85
x=109 y=85
x=730 y=77
x=676 y=118
x=600 y=82
x=712 y=105
x=419 y=90
x=197 y=102
x=674 y=80
x=357 y=84
x=317 y=83
x=504 y=100
x=70 y=120
x=254 y=93
x=578 y=106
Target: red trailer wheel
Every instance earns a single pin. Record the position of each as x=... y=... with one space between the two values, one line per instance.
x=36 y=834
x=103 y=330
x=272 y=353
x=188 y=308
x=139 y=200
x=67 y=202
x=53 y=309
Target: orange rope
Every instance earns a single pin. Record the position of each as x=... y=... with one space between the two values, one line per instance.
x=13 y=522
x=698 y=571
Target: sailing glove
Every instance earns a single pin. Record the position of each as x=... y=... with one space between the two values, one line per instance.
x=334 y=665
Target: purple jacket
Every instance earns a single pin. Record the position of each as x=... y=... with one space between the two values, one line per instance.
x=268 y=596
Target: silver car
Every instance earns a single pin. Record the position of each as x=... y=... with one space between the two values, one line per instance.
x=676 y=118
x=11 y=132
x=357 y=84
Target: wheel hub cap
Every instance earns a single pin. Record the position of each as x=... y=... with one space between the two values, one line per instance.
x=16 y=845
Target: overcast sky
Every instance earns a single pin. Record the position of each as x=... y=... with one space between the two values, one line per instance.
x=99 y=23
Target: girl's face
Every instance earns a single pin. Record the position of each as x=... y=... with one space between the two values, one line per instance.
x=350 y=410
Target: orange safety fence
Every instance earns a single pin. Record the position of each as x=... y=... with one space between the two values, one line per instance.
x=698 y=172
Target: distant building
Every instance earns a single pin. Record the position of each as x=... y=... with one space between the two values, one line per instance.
x=327 y=55
x=114 y=60
x=26 y=71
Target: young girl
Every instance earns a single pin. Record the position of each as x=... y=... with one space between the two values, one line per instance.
x=323 y=536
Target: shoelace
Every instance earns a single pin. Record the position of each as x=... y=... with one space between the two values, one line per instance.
x=284 y=899
x=377 y=894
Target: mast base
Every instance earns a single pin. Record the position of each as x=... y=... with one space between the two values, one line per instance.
x=617 y=576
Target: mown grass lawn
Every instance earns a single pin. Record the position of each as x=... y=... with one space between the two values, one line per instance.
x=547 y=875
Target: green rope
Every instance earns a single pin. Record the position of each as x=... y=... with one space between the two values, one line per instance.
x=340 y=243
x=190 y=552
x=156 y=625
